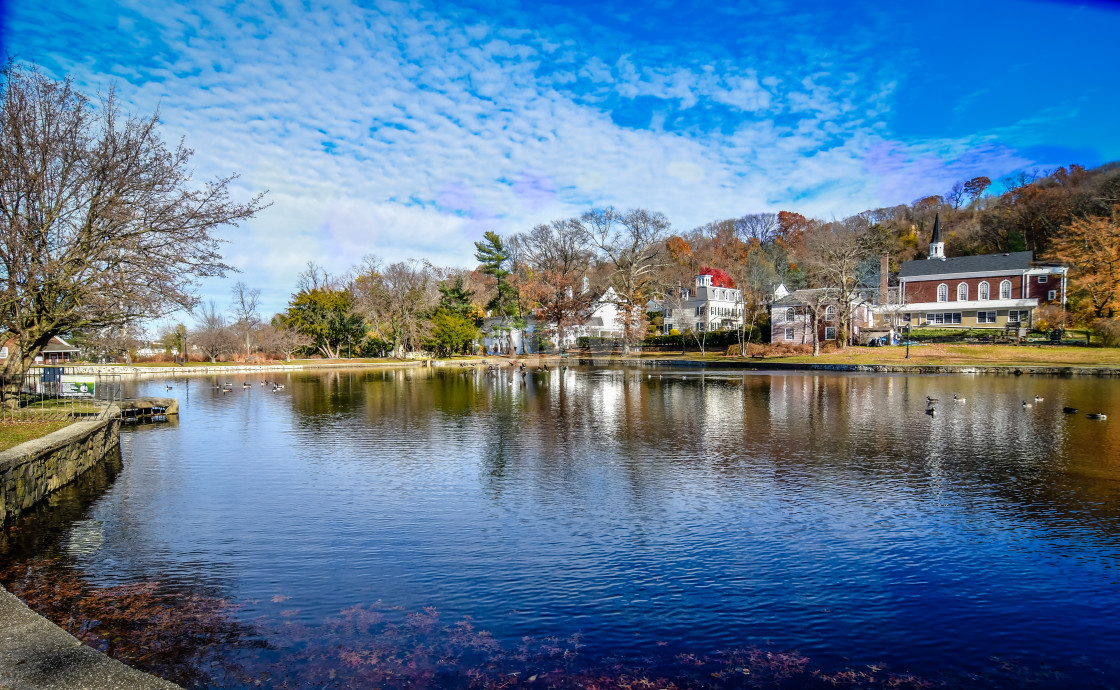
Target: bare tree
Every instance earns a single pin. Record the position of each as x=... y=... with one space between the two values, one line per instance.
x=634 y=245
x=816 y=302
x=116 y=341
x=557 y=256
x=212 y=334
x=100 y=222
x=839 y=256
x=956 y=194
x=283 y=338
x=396 y=300
x=244 y=308
x=762 y=227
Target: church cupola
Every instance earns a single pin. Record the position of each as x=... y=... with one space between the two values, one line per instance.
x=937 y=245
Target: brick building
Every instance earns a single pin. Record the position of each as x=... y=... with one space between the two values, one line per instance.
x=985 y=291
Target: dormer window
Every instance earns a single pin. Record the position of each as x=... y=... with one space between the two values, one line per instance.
x=1005 y=289
x=942 y=293
x=982 y=291
x=962 y=292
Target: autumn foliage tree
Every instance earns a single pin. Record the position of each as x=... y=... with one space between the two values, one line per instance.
x=1091 y=247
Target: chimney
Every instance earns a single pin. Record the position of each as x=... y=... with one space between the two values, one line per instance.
x=884 y=267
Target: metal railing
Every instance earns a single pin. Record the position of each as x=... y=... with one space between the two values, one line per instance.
x=59 y=394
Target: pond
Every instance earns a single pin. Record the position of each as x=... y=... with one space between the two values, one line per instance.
x=445 y=528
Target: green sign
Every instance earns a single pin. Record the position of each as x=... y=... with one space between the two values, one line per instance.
x=78 y=386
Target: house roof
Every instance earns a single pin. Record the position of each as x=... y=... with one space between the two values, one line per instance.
x=798 y=297
x=57 y=344
x=1012 y=261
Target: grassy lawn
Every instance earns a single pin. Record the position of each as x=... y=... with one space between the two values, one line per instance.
x=984 y=355
x=14 y=433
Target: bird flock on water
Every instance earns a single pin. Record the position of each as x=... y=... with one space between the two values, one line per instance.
x=227 y=387
x=931 y=406
x=511 y=372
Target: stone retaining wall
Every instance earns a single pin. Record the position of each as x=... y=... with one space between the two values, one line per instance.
x=32 y=470
x=175 y=370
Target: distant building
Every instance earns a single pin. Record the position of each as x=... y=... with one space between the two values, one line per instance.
x=984 y=291
x=702 y=307
x=791 y=316
x=56 y=351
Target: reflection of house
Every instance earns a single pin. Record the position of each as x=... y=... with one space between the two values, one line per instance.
x=703 y=307
x=791 y=315
x=985 y=291
x=56 y=350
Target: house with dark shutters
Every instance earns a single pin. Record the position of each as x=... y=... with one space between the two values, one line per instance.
x=986 y=291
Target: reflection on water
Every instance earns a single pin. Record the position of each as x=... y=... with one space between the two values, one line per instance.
x=652 y=514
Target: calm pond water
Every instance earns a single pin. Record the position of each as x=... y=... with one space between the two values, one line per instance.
x=616 y=523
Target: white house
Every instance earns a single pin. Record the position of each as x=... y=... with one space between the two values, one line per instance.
x=603 y=322
x=702 y=307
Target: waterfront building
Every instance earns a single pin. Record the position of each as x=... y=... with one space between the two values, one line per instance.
x=702 y=307
x=993 y=291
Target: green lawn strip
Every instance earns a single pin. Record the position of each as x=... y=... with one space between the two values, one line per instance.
x=14 y=433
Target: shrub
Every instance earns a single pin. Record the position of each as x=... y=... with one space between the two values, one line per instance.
x=1107 y=331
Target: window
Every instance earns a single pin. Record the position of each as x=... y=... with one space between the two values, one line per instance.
x=789 y=334
x=982 y=291
x=789 y=314
x=830 y=313
x=943 y=293
x=1005 y=290
x=830 y=333
x=668 y=313
x=985 y=317
x=1043 y=279
x=1052 y=295
x=944 y=318
x=962 y=292
x=906 y=317
x=3 y=352
x=1018 y=316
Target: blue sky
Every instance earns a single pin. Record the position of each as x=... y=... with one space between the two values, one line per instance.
x=408 y=129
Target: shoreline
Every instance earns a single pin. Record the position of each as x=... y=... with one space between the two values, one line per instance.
x=761 y=365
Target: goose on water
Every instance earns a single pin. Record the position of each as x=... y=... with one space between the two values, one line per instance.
x=1069 y=410
x=958 y=399
x=170 y=387
x=1097 y=415
x=930 y=400
x=1038 y=398
x=1027 y=405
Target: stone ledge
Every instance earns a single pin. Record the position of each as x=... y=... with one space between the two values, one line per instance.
x=36 y=654
x=33 y=470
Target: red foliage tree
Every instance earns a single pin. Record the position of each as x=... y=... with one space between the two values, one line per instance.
x=720 y=278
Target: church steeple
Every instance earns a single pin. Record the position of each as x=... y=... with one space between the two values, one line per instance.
x=936 y=245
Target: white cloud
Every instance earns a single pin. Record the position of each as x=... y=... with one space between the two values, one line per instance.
x=402 y=132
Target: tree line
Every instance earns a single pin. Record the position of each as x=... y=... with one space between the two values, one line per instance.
x=104 y=229
x=556 y=273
